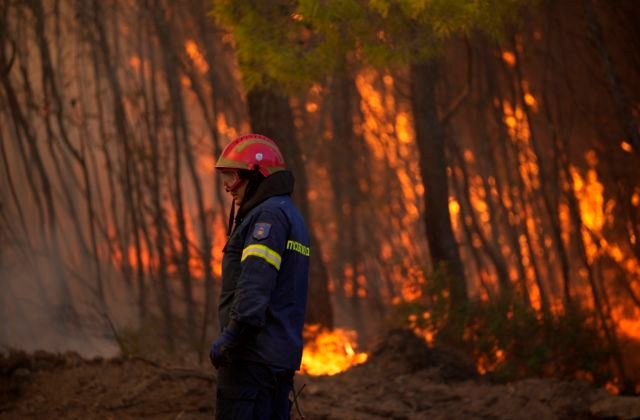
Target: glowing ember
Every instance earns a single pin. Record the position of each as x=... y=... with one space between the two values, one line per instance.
x=509 y=58
x=635 y=199
x=613 y=388
x=427 y=332
x=135 y=62
x=329 y=352
x=486 y=364
x=530 y=100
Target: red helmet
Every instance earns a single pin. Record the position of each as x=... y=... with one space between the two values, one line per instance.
x=251 y=152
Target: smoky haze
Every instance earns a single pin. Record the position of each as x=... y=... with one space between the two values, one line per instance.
x=44 y=309
x=511 y=160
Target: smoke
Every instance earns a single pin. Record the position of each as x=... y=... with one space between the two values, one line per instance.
x=46 y=304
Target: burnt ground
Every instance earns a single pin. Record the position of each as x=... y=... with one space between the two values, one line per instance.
x=403 y=379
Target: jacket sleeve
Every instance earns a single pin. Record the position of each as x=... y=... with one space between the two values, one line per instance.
x=264 y=245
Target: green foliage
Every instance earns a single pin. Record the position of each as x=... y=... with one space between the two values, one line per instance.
x=511 y=339
x=271 y=45
x=290 y=44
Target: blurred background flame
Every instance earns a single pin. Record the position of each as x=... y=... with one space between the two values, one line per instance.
x=112 y=117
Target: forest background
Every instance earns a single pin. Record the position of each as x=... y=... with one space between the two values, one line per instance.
x=469 y=170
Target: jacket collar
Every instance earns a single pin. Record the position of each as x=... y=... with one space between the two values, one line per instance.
x=279 y=183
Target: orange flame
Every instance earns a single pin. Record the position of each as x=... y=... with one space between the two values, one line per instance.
x=626 y=146
x=589 y=191
x=509 y=58
x=628 y=322
x=612 y=387
x=329 y=352
x=428 y=333
x=486 y=364
x=387 y=129
x=531 y=101
x=196 y=56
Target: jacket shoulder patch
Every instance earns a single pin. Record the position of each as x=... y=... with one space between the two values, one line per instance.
x=261 y=230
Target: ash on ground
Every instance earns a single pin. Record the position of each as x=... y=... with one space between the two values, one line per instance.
x=403 y=379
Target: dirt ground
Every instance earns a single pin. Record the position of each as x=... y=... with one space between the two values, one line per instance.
x=403 y=379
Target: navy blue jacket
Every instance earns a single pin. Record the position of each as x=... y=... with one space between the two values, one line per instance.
x=265 y=272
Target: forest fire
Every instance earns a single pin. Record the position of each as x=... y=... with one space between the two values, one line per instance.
x=329 y=352
x=109 y=138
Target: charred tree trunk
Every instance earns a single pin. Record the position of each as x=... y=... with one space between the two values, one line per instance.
x=207 y=35
x=181 y=135
x=599 y=302
x=490 y=246
x=160 y=223
x=49 y=227
x=430 y=138
x=98 y=35
x=620 y=100
x=345 y=160
x=271 y=116
x=50 y=87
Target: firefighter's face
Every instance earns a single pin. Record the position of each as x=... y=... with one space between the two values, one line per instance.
x=233 y=184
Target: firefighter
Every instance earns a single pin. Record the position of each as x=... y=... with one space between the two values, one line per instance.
x=265 y=271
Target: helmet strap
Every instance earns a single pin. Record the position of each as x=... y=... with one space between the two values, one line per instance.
x=232 y=215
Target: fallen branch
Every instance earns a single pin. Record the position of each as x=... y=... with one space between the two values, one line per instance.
x=188 y=374
x=170 y=372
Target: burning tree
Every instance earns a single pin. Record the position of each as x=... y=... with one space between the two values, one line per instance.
x=520 y=243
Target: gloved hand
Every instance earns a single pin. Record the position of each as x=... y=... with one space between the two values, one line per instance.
x=219 y=352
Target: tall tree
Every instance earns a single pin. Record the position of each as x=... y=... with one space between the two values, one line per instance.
x=271 y=115
x=305 y=41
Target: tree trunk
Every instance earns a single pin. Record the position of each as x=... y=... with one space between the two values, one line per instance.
x=344 y=162
x=271 y=116
x=180 y=133
x=430 y=138
x=625 y=113
x=489 y=245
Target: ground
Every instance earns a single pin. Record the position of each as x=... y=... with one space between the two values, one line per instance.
x=403 y=379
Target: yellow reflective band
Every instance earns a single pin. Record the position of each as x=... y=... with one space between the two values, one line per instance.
x=264 y=252
x=298 y=247
x=224 y=162
x=247 y=143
